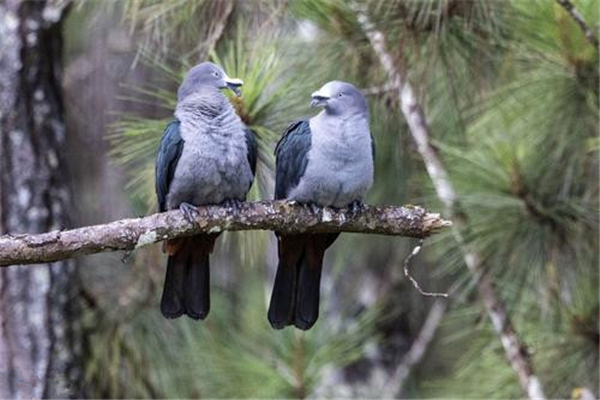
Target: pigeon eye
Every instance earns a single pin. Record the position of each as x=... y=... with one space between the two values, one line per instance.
x=340 y=94
x=216 y=73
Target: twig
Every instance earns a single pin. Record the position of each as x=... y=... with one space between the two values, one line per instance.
x=416 y=251
x=220 y=15
x=379 y=90
x=578 y=18
x=129 y=234
x=515 y=350
x=395 y=385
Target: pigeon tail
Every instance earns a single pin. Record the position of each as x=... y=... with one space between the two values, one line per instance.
x=187 y=281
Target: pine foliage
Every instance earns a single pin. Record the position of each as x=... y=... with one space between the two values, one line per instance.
x=510 y=90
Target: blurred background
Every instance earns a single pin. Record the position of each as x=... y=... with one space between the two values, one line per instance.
x=510 y=91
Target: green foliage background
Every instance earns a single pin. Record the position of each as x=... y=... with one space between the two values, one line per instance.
x=510 y=89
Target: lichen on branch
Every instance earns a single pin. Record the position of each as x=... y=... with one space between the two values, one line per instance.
x=280 y=216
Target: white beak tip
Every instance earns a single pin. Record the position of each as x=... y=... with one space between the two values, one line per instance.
x=234 y=81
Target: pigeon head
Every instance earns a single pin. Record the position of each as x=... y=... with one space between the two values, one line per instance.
x=207 y=74
x=340 y=98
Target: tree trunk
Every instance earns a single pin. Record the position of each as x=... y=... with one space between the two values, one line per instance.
x=37 y=314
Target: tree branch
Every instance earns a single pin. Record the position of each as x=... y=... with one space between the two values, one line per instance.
x=220 y=13
x=515 y=350
x=395 y=386
x=578 y=18
x=129 y=234
x=379 y=90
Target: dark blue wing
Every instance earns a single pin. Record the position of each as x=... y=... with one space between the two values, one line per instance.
x=169 y=152
x=291 y=156
x=252 y=147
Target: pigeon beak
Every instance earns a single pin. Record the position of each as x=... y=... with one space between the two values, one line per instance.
x=235 y=85
x=318 y=99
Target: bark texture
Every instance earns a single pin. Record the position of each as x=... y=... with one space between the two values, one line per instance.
x=515 y=349
x=37 y=346
x=129 y=234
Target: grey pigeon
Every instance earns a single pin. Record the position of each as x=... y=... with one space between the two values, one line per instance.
x=206 y=156
x=327 y=160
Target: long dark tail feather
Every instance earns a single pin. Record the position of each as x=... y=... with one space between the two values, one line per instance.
x=171 y=303
x=197 y=285
x=309 y=279
x=296 y=292
x=187 y=282
x=281 y=308
x=309 y=286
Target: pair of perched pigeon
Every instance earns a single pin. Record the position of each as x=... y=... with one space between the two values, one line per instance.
x=208 y=156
